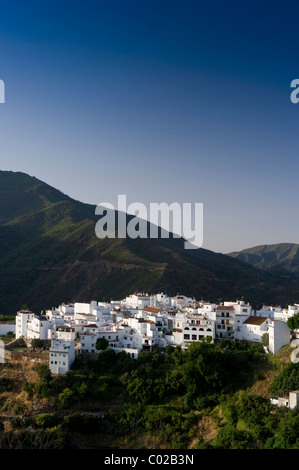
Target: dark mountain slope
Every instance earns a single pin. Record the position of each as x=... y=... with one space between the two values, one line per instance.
x=283 y=256
x=49 y=254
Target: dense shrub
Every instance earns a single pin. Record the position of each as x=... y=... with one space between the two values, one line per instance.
x=287 y=380
x=6 y=384
x=45 y=421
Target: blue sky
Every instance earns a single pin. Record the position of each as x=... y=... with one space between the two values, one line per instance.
x=185 y=101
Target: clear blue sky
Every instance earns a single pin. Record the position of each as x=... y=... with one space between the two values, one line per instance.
x=184 y=101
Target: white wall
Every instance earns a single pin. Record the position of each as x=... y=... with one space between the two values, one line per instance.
x=279 y=335
x=6 y=327
x=254 y=332
x=61 y=359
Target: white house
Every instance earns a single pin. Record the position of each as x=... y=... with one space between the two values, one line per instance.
x=63 y=332
x=61 y=356
x=138 y=300
x=254 y=328
x=22 y=319
x=292 y=401
x=287 y=313
x=225 y=321
x=279 y=335
x=31 y=326
x=37 y=327
x=88 y=342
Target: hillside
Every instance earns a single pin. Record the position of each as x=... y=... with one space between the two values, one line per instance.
x=278 y=256
x=50 y=254
x=203 y=398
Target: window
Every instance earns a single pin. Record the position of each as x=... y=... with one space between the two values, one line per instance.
x=186 y=336
x=194 y=337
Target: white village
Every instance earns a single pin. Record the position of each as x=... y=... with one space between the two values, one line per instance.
x=143 y=322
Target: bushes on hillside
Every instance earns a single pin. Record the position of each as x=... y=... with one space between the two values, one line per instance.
x=287 y=380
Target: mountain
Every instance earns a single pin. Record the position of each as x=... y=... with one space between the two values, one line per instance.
x=280 y=256
x=49 y=254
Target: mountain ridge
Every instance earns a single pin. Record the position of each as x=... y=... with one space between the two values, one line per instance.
x=49 y=254
x=283 y=256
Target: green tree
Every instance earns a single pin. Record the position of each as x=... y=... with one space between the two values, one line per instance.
x=265 y=339
x=66 y=398
x=102 y=344
x=44 y=373
x=287 y=434
x=293 y=322
x=36 y=343
x=5 y=384
x=45 y=420
x=287 y=380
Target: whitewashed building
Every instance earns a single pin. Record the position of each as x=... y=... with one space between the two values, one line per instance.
x=37 y=327
x=254 y=328
x=61 y=356
x=279 y=335
x=291 y=401
x=22 y=319
x=225 y=321
x=138 y=300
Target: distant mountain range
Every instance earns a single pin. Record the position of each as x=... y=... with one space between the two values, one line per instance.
x=283 y=256
x=49 y=254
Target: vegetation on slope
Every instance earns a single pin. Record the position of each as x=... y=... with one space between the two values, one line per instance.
x=280 y=256
x=204 y=398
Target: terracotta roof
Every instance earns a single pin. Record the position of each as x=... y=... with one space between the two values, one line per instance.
x=152 y=310
x=255 y=320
